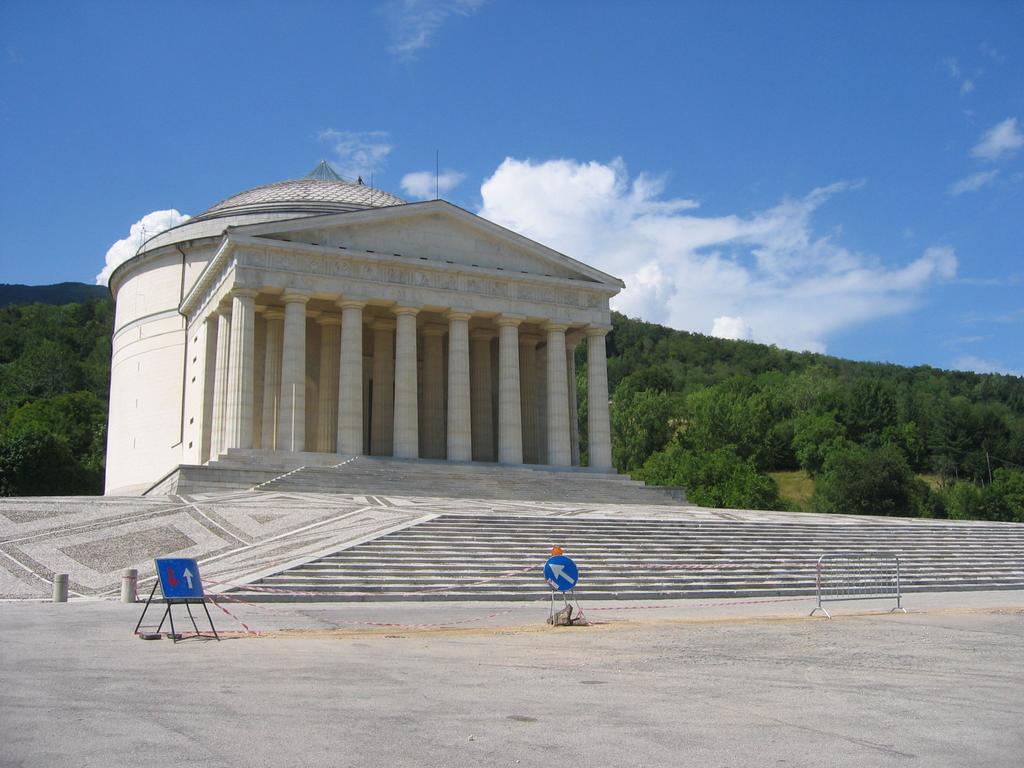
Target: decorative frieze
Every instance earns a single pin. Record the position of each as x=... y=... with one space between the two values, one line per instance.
x=280 y=267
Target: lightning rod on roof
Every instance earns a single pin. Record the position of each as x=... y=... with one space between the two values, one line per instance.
x=437 y=158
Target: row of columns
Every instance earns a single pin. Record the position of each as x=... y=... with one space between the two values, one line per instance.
x=535 y=386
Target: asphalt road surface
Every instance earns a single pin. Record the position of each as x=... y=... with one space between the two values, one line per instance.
x=673 y=685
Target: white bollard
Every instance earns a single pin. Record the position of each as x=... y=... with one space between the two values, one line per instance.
x=129 y=585
x=60 y=588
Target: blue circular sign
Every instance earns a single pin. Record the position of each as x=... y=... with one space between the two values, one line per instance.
x=561 y=573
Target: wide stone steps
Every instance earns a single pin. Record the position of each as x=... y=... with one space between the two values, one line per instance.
x=500 y=557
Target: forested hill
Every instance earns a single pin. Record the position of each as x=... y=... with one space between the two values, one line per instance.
x=58 y=293
x=724 y=419
x=718 y=416
x=54 y=383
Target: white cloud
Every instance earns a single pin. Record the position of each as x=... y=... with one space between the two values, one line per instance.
x=982 y=365
x=358 y=153
x=766 y=274
x=972 y=183
x=956 y=74
x=149 y=225
x=726 y=327
x=420 y=184
x=1001 y=139
x=415 y=23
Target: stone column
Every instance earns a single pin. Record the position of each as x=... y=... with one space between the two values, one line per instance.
x=407 y=437
x=220 y=383
x=571 y=340
x=327 y=391
x=460 y=432
x=239 y=415
x=383 y=419
x=480 y=394
x=432 y=440
x=510 y=414
x=559 y=454
x=542 y=405
x=291 y=428
x=259 y=366
x=350 y=379
x=598 y=425
x=272 y=378
x=528 y=395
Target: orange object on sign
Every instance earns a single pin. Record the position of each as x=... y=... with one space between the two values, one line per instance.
x=557 y=551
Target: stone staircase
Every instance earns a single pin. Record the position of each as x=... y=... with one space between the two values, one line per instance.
x=499 y=557
x=372 y=475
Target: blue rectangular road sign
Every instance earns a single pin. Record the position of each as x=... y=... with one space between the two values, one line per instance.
x=179 y=578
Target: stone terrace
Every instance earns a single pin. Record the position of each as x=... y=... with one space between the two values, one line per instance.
x=320 y=473
x=358 y=546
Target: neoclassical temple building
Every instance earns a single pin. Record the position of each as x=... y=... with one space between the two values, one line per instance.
x=322 y=315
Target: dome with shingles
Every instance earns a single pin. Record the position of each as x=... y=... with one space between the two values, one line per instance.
x=321 y=191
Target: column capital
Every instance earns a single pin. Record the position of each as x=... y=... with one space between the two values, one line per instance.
x=573 y=337
x=399 y=311
x=458 y=314
x=529 y=339
x=512 y=320
x=434 y=329
x=481 y=334
x=350 y=303
x=221 y=310
x=597 y=330
x=295 y=296
x=383 y=324
x=273 y=313
x=553 y=327
x=250 y=293
x=328 y=318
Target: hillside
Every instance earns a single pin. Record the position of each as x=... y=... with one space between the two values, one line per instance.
x=727 y=420
x=58 y=293
x=718 y=416
x=54 y=384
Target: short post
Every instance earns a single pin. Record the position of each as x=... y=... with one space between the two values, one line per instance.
x=129 y=585
x=60 y=588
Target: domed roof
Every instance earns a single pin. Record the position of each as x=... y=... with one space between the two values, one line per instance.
x=321 y=191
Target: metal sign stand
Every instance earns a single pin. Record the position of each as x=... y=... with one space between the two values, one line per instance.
x=179 y=587
x=562 y=575
x=169 y=616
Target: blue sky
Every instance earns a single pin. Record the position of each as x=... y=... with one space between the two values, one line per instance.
x=845 y=177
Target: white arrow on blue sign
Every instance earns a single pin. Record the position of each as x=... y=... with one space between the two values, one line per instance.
x=179 y=577
x=561 y=573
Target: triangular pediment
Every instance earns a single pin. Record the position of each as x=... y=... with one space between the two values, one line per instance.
x=433 y=231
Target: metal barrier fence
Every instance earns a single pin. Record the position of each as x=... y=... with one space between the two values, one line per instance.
x=861 y=576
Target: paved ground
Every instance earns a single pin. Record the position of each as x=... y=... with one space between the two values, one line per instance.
x=678 y=684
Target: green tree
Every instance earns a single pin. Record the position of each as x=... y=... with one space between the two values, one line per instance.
x=75 y=417
x=963 y=501
x=1009 y=484
x=907 y=437
x=868 y=481
x=642 y=424
x=718 y=478
x=815 y=435
x=870 y=408
x=36 y=463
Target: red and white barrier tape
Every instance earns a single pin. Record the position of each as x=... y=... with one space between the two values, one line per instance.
x=245 y=626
